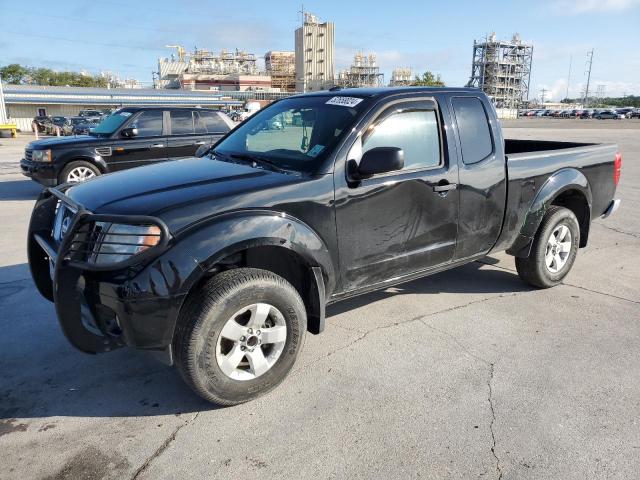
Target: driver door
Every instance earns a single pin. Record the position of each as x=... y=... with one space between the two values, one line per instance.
x=396 y=223
x=149 y=146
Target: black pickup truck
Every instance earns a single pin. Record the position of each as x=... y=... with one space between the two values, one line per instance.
x=130 y=137
x=223 y=262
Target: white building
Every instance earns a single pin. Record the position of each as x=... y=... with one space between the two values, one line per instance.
x=314 y=55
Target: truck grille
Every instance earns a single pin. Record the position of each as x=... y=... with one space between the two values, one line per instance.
x=62 y=222
x=28 y=154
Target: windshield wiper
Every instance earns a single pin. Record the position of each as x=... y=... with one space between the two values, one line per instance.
x=255 y=160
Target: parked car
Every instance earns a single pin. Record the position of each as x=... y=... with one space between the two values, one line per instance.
x=39 y=121
x=131 y=137
x=68 y=128
x=90 y=113
x=635 y=113
x=608 y=114
x=84 y=127
x=52 y=125
x=586 y=113
x=222 y=263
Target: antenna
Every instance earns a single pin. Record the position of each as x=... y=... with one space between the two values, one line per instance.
x=588 y=72
x=569 y=77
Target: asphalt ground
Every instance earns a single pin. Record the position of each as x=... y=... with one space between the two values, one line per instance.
x=465 y=374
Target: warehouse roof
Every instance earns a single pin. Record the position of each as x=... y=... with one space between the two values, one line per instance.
x=28 y=94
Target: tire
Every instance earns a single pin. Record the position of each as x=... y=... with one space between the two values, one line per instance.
x=535 y=269
x=5 y=133
x=81 y=169
x=206 y=355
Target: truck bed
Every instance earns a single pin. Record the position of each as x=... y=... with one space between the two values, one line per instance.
x=530 y=163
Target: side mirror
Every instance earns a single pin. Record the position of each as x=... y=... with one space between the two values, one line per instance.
x=380 y=160
x=129 y=132
x=203 y=150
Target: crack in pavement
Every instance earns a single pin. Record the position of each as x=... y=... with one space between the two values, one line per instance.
x=160 y=450
x=568 y=284
x=491 y=366
x=493 y=420
x=624 y=232
x=418 y=318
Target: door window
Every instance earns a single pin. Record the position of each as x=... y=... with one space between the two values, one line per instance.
x=415 y=132
x=211 y=122
x=473 y=129
x=181 y=122
x=149 y=123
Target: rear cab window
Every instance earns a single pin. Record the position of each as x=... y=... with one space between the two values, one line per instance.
x=473 y=129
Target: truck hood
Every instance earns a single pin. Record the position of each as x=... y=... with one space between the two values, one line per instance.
x=179 y=191
x=54 y=142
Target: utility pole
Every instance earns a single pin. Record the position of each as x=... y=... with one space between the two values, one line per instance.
x=586 y=90
x=543 y=91
x=569 y=77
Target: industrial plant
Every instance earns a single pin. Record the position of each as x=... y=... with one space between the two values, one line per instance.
x=364 y=72
x=502 y=69
x=401 y=77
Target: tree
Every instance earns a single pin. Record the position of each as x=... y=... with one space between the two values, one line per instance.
x=428 y=80
x=21 y=75
x=14 y=73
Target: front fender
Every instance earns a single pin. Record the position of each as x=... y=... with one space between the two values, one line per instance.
x=84 y=154
x=230 y=233
x=561 y=181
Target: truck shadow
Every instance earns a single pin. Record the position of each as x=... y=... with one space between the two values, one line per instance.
x=464 y=279
x=20 y=190
x=41 y=375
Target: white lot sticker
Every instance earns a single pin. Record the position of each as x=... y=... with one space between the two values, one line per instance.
x=125 y=114
x=344 y=101
x=315 y=151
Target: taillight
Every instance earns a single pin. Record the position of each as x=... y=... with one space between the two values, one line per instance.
x=617 y=168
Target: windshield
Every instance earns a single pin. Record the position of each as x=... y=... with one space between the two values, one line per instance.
x=295 y=133
x=111 y=123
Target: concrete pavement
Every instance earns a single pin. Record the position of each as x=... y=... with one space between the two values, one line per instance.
x=464 y=374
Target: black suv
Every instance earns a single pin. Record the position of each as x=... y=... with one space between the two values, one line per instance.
x=130 y=137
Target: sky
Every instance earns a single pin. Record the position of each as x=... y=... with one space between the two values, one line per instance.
x=127 y=37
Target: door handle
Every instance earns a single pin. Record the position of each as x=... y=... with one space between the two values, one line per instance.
x=157 y=145
x=201 y=142
x=444 y=188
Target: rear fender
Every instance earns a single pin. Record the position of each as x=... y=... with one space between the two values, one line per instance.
x=561 y=181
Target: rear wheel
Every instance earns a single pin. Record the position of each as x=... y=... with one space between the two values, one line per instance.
x=78 y=171
x=554 y=249
x=238 y=337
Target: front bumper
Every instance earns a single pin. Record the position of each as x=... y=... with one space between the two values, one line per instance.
x=100 y=308
x=43 y=173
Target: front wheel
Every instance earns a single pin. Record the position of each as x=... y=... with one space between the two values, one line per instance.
x=554 y=249
x=78 y=171
x=238 y=336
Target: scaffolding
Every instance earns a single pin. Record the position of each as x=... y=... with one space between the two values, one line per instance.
x=401 y=77
x=206 y=62
x=364 y=72
x=281 y=67
x=502 y=70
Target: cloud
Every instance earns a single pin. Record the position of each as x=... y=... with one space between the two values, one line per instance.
x=577 y=7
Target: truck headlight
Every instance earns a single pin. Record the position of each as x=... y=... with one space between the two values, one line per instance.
x=115 y=242
x=41 y=156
